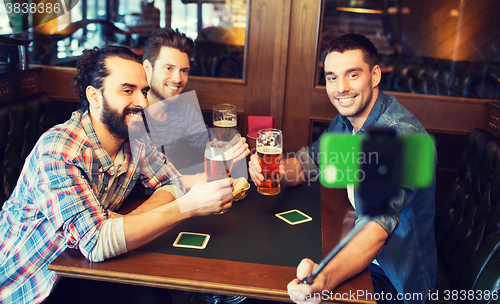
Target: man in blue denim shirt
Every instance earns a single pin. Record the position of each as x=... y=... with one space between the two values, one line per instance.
x=399 y=247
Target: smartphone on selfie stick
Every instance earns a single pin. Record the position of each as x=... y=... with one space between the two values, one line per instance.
x=377 y=164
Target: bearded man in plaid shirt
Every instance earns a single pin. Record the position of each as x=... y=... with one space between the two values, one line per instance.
x=80 y=172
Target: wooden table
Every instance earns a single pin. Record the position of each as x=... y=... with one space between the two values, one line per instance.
x=257 y=262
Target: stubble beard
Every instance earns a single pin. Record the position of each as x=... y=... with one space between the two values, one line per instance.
x=362 y=106
x=115 y=121
x=157 y=93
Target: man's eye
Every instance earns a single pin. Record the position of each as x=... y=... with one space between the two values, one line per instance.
x=127 y=91
x=352 y=75
x=331 y=78
x=145 y=93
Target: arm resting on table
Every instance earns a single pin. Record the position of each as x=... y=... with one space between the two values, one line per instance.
x=112 y=241
x=203 y=199
x=147 y=223
x=142 y=227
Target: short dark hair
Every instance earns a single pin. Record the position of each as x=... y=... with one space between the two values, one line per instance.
x=166 y=37
x=350 y=42
x=91 y=69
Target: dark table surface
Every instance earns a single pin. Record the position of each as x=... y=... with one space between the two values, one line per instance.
x=250 y=232
x=251 y=252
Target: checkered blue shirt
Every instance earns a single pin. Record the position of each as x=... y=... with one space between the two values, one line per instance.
x=56 y=203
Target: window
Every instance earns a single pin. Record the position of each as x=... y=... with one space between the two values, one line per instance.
x=438 y=47
x=5 y=26
x=217 y=26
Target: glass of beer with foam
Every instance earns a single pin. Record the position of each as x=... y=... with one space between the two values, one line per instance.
x=269 y=150
x=218 y=160
x=224 y=120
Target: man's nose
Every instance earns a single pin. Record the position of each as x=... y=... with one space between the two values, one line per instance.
x=176 y=76
x=342 y=85
x=141 y=101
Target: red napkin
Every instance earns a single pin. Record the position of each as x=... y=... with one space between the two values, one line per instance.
x=255 y=123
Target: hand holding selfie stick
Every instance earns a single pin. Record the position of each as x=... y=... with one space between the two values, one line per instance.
x=382 y=178
x=310 y=279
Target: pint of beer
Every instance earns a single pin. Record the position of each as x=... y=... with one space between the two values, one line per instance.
x=269 y=150
x=218 y=160
x=224 y=120
x=225 y=130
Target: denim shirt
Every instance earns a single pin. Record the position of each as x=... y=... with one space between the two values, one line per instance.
x=409 y=256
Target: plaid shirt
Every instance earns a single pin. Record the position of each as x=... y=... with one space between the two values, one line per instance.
x=56 y=203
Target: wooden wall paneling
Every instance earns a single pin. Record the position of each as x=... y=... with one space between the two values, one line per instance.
x=280 y=61
x=446 y=114
x=304 y=33
x=267 y=46
x=212 y=91
x=58 y=83
x=321 y=107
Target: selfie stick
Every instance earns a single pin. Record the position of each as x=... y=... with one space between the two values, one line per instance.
x=363 y=221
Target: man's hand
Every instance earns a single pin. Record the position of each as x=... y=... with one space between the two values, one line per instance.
x=240 y=149
x=304 y=293
x=255 y=170
x=207 y=198
x=190 y=180
x=112 y=214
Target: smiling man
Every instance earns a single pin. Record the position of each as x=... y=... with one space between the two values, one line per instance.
x=354 y=89
x=166 y=62
x=170 y=117
x=77 y=176
x=398 y=247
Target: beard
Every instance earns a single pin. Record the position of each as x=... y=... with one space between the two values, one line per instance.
x=115 y=121
x=356 y=109
x=157 y=89
x=156 y=93
x=362 y=106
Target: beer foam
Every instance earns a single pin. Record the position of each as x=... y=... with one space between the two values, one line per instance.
x=219 y=154
x=225 y=123
x=268 y=150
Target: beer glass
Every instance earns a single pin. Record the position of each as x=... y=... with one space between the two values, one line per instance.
x=224 y=120
x=218 y=160
x=269 y=150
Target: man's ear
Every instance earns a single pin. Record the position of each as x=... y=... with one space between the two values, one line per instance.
x=376 y=76
x=92 y=96
x=148 y=68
